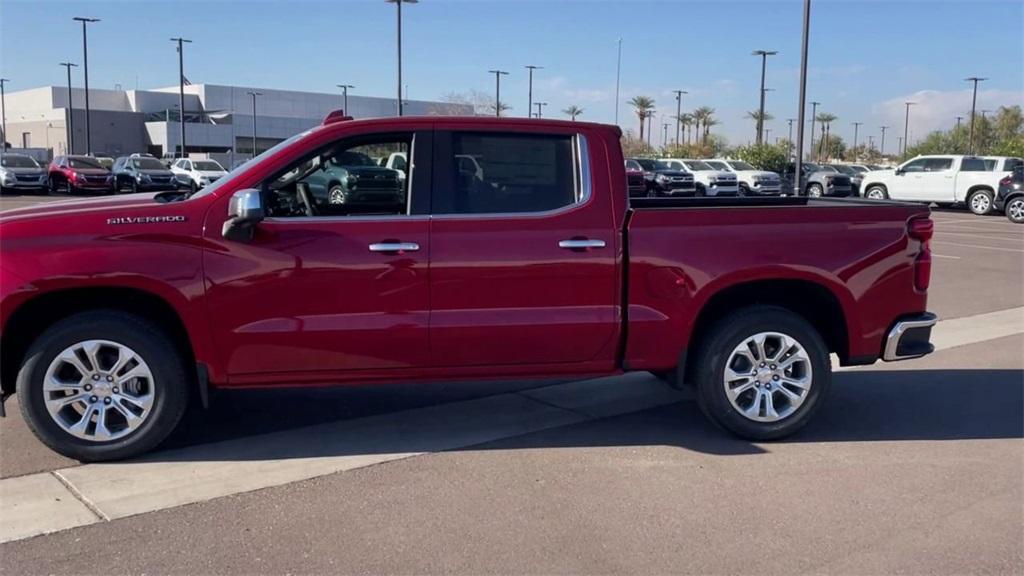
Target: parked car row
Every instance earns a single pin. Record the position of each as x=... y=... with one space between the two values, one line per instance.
x=71 y=174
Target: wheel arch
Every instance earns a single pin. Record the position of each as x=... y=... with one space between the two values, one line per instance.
x=32 y=317
x=813 y=301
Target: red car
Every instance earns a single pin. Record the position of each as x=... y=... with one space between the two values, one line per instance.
x=72 y=174
x=635 y=181
x=531 y=263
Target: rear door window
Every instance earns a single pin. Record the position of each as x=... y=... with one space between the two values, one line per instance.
x=507 y=173
x=938 y=164
x=973 y=165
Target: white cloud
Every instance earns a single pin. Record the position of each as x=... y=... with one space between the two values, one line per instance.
x=937 y=110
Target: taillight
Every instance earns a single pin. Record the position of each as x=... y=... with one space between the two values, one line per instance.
x=1005 y=181
x=922 y=229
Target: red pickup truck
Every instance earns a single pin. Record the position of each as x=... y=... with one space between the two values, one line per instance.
x=529 y=261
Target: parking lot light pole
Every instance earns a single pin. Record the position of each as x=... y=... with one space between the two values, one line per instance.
x=974 y=104
x=618 y=79
x=254 y=95
x=344 y=96
x=856 y=128
x=882 y=146
x=3 y=115
x=529 y=103
x=540 y=108
x=679 y=111
x=398 y=6
x=764 y=54
x=497 y=90
x=790 y=145
x=70 y=124
x=906 y=128
x=803 y=98
x=181 y=89
x=814 y=114
x=85 y=71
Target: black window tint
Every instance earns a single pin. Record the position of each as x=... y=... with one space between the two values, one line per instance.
x=508 y=173
x=938 y=164
x=916 y=165
x=1012 y=164
x=990 y=164
x=973 y=165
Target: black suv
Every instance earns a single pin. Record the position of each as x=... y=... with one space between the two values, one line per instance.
x=140 y=173
x=351 y=177
x=661 y=180
x=1011 y=195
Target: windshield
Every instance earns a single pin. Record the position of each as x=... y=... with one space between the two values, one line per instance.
x=718 y=165
x=243 y=168
x=826 y=168
x=647 y=164
x=84 y=163
x=808 y=167
x=848 y=170
x=696 y=165
x=209 y=165
x=859 y=169
x=739 y=165
x=147 y=164
x=10 y=161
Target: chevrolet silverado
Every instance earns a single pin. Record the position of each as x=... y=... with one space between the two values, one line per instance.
x=116 y=312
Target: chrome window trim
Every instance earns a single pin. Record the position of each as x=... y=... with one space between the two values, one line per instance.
x=581 y=177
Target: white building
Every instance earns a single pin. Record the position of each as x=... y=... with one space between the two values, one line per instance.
x=218 y=119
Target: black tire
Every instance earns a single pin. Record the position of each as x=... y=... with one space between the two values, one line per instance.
x=880 y=193
x=701 y=191
x=134 y=186
x=979 y=202
x=170 y=396
x=744 y=189
x=1015 y=210
x=51 y=185
x=335 y=191
x=715 y=349
x=815 y=191
x=193 y=187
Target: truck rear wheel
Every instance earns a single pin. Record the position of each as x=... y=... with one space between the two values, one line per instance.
x=980 y=202
x=102 y=386
x=762 y=372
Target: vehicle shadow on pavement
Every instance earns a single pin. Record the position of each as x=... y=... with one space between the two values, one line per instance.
x=867 y=405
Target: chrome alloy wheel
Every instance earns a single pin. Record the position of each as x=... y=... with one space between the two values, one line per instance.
x=981 y=203
x=768 y=377
x=1015 y=210
x=98 y=390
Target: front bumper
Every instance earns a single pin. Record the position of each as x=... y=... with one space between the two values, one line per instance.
x=23 y=185
x=910 y=338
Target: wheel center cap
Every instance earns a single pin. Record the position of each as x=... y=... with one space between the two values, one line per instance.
x=764 y=375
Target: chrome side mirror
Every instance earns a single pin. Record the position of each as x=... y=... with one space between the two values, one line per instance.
x=245 y=210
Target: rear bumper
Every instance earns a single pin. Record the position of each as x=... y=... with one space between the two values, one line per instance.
x=910 y=338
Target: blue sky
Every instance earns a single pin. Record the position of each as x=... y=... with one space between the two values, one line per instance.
x=867 y=57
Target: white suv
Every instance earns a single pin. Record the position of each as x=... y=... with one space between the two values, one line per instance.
x=1002 y=164
x=710 y=182
x=197 y=174
x=751 y=180
x=942 y=179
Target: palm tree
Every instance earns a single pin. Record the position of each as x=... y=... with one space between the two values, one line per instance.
x=703 y=115
x=686 y=119
x=643 y=106
x=826 y=120
x=755 y=115
x=573 y=111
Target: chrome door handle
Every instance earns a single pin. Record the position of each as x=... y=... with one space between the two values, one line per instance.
x=394 y=247
x=581 y=244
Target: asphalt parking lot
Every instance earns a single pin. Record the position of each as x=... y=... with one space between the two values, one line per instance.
x=912 y=467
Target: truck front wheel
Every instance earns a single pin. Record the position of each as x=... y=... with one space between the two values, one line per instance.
x=762 y=372
x=102 y=386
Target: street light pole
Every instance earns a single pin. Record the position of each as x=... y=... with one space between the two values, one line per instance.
x=856 y=128
x=764 y=54
x=814 y=115
x=529 y=104
x=974 y=104
x=906 y=127
x=70 y=124
x=803 y=98
x=790 y=145
x=398 y=5
x=344 y=97
x=540 y=109
x=3 y=115
x=679 y=111
x=254 y=95
x=181 y=89
x=85 y=70
x=497 y=90
x=882 y=148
